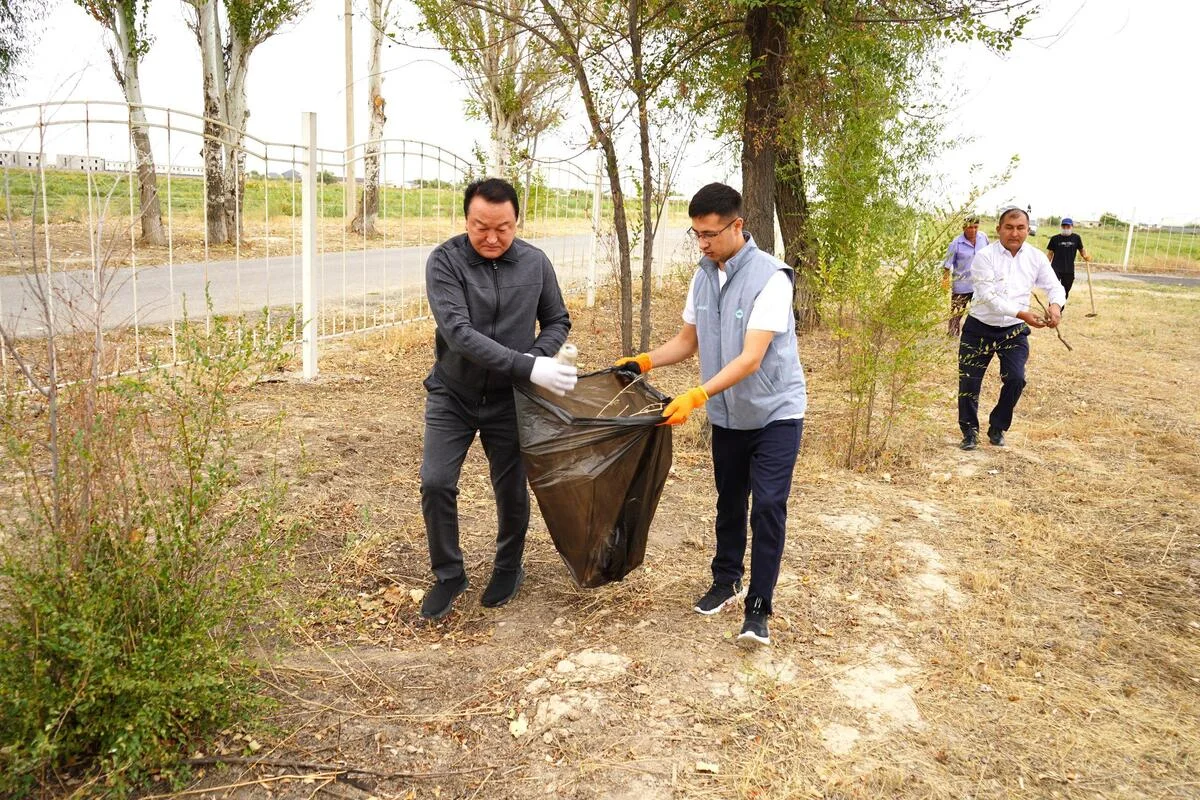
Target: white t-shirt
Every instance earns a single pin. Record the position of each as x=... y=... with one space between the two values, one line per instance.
x=772 y=309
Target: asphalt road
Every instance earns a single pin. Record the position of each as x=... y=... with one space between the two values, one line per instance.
x=158 y=294
x=1162 y=280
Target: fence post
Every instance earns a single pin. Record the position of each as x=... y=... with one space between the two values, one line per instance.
x=594 y=247
x=1128 y=247
x=660 y=234
x=308 y=244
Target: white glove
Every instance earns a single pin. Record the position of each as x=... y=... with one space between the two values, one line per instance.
x=551 y=375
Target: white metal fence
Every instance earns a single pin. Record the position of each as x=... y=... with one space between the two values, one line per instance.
x=71 y=206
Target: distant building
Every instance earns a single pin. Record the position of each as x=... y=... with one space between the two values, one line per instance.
x=13 y=158
x=80 y=163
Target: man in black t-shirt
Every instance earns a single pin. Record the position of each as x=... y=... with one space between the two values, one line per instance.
x=1061 y=252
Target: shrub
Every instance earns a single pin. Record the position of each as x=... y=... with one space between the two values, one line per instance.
x=131 y=568
x=885 y=316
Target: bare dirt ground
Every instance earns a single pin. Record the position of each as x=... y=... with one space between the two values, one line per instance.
x=1017 y=622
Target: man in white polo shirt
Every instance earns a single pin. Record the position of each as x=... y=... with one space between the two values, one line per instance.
x=1004 y=275
x=738 y=319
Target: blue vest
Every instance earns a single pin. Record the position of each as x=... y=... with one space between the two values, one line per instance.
x=776 y=390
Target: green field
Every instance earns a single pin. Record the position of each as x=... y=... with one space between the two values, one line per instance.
x=66 y=197
x=1152 y=250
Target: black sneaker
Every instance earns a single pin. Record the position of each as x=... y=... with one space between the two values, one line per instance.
x=996 y=437
x=440 y=597
x=754 y=628
x=502 y=587
x=970 y=441
x=718 y=596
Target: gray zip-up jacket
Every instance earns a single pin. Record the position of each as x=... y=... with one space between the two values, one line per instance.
x=488 y=313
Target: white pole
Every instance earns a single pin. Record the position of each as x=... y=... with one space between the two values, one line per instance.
x=350 y=197
x=1128 y=243
x=308 y=244
x=593 y=247
x=660 y=234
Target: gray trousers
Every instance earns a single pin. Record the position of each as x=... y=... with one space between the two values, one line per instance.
x=450 y=426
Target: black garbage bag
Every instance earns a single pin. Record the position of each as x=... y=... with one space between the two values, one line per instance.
x=597 y=460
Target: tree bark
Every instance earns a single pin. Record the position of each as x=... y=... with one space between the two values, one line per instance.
x=639 y=89
x=760 y=126
x=237 y=114
x=368 y=209
x=800 y=247
x=126 y=71
x=213 y=63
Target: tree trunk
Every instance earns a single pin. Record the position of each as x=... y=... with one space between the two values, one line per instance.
x=800 y=248
x=639 y=88
x=149 y=208
x=502 y=145
x=209 y=34
x=760 y=124
x=368 y=209
x=237 y=113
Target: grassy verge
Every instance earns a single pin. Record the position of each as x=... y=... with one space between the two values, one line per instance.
x=1012 y=622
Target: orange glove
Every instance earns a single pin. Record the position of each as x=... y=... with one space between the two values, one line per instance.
x=679 y=409
x=945 y=280
x=638 y=365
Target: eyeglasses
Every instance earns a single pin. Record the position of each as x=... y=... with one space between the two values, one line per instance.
x=708 y=236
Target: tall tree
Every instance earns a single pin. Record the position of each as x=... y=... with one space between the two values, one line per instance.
x=515 y=78
x=368 y=207
x=783 y=87
x=594 y=42
x=227 y=40
x=125 y=22
x=766 y=38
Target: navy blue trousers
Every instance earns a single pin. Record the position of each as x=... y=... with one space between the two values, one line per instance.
x=756 y=463
x=978 y=344
x=450 y=426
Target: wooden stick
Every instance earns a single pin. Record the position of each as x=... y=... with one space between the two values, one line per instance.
x=329 y=768
x=1046 y=312
x=1091 y=296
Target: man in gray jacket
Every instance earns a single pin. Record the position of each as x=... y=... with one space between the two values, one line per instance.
x=738 y=316
x=489 y=293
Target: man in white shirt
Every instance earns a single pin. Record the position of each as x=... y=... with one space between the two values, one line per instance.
x=738 y=320
x=1004 y=274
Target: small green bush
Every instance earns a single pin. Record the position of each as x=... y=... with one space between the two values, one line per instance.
x=130 y=571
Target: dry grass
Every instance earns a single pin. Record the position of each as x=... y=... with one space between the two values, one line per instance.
x=1004 y=623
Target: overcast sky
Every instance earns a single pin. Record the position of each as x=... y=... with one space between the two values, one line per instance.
x=1099 y=100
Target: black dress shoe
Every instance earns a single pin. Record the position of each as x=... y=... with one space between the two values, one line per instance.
x=439 y=600
x=996 y=437
x=969 y=442
x=502 y=587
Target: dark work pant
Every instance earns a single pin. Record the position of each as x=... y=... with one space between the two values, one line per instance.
x=1066 y=278
x=756 y=463
x=450 y=426
x=978 y=344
